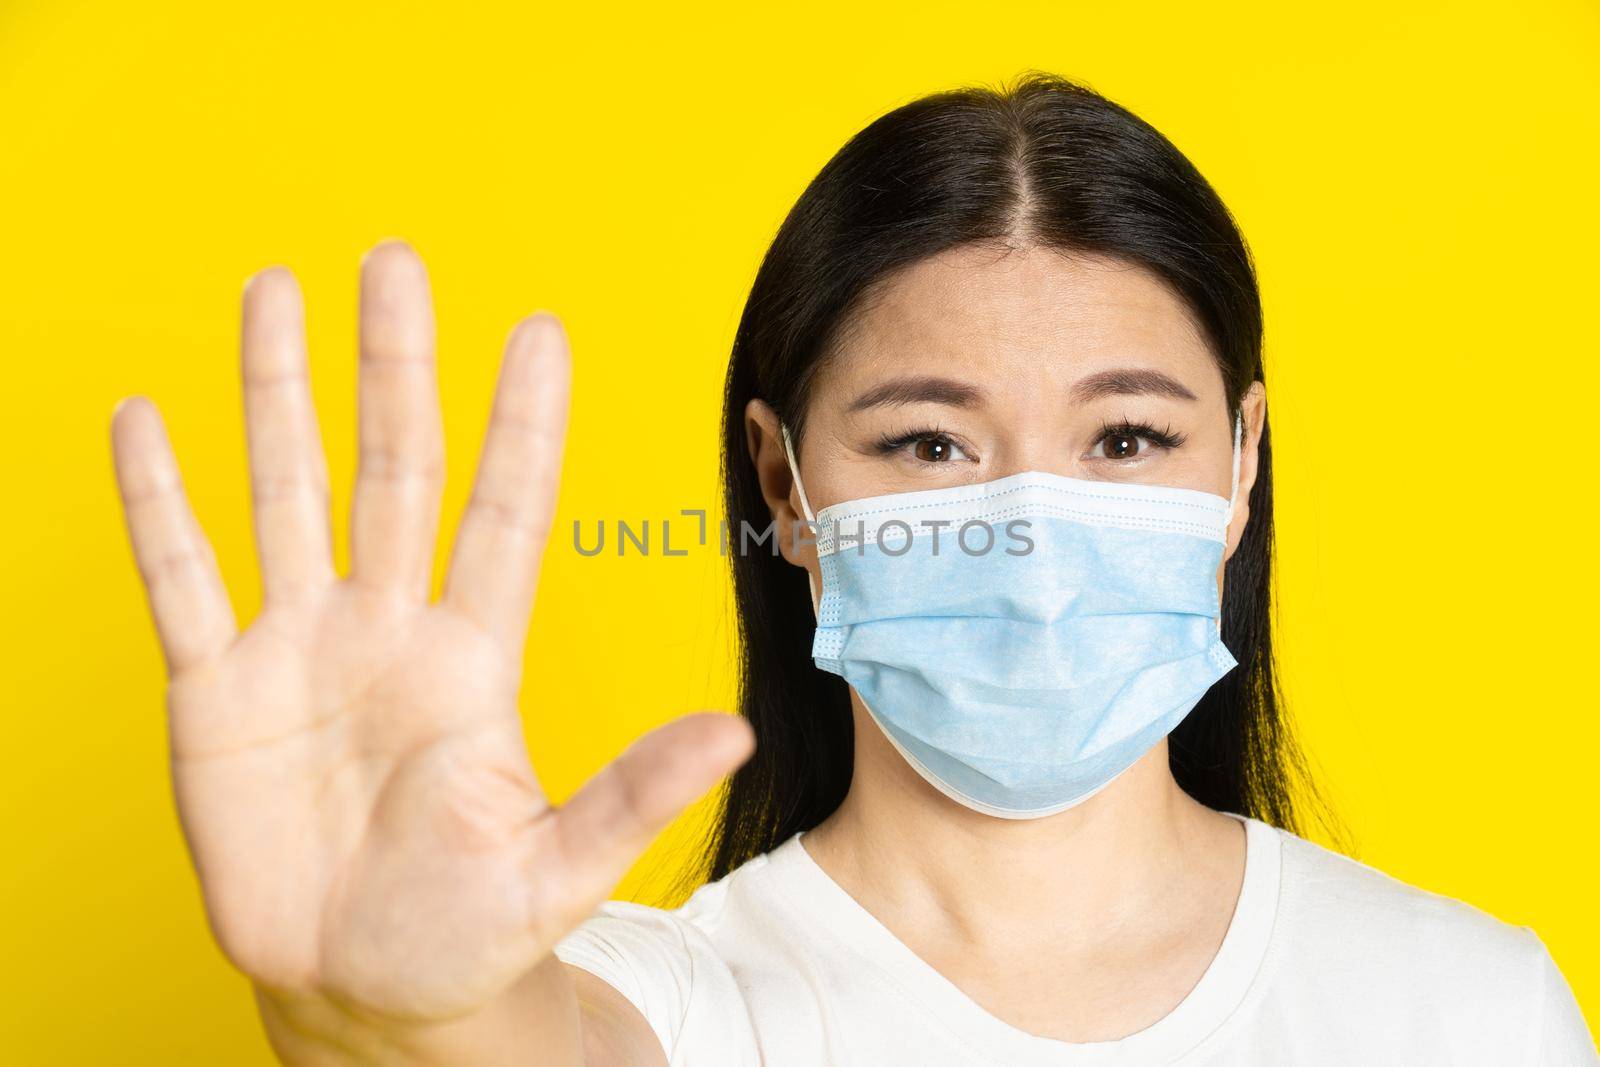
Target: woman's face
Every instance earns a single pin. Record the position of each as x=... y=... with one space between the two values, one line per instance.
x=977 y=363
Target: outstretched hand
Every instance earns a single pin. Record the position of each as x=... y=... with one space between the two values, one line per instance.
x=350 y=770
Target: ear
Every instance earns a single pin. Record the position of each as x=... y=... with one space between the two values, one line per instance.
x=1253 y=406
x=765 y=442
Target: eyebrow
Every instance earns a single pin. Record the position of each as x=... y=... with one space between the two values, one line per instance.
x=919 y=391
x=1129 y=381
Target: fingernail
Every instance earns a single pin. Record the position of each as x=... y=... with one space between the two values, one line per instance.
x=379 y=244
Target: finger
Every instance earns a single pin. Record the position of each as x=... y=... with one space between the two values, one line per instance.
x=614 y=817
x=494 y=568
x=288 y=472
x=188 y=601
x=400 y=473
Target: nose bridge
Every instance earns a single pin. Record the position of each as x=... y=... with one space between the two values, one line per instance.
x=1030 y=437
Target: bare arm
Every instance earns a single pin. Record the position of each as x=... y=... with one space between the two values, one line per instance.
x=374 y=849
x=555 y=1014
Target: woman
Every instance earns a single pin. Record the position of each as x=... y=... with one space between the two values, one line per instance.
x=1028 y=800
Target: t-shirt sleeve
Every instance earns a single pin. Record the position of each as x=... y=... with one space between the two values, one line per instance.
x=642 y=953
x=1563 y=1039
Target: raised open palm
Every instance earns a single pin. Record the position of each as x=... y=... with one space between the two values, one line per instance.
x=350 y=770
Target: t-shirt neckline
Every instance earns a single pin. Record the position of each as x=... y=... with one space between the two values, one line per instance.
x=811 y=892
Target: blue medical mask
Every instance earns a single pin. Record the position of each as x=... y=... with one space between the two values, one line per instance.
x=1034 y=646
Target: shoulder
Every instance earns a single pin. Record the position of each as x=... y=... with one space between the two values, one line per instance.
x=670 y=964
x=1332 y=897
x=1352 y=934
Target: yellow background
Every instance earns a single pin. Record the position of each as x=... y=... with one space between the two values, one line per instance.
x=1417 y=182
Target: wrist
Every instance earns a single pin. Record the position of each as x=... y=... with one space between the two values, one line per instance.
x=534 y=1021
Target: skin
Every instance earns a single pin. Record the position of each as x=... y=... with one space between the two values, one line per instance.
x=373 y=847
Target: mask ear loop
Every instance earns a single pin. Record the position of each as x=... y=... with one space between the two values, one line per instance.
x=805 y=505
x=1233 y=489
x=794 y=469
x=1233 y=483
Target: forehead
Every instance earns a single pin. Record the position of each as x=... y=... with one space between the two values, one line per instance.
x=1034 y=317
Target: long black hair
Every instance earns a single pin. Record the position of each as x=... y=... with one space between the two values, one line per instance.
x=1045 y=161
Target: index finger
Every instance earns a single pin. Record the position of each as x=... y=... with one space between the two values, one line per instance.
x=494 y=567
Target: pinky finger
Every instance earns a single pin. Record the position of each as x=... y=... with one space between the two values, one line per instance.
x=188 y=601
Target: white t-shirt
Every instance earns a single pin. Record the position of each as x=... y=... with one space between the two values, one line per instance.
x=1326 y=961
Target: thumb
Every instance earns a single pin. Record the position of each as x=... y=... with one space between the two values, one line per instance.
x=610 y=821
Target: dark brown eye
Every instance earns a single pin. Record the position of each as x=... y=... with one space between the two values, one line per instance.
x=1132 y=440
x=934 y=449
x=1121 y=445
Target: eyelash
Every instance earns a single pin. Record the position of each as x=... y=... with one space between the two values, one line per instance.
x=1165 y=438
x=890 y=444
